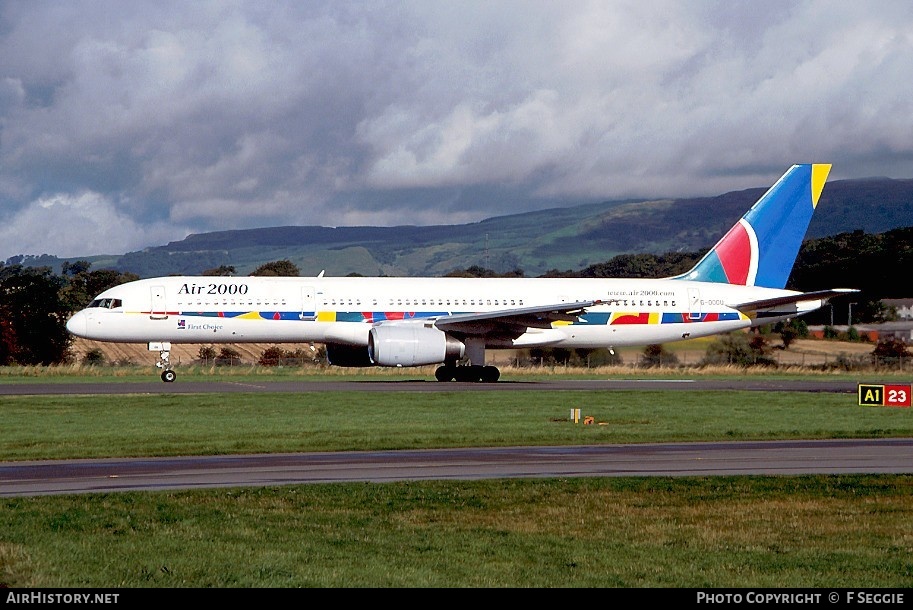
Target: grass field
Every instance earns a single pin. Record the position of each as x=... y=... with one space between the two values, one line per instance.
x=792 y=531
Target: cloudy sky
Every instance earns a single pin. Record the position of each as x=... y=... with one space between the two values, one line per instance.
x=131 y=124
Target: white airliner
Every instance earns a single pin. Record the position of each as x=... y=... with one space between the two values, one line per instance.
x=399 y=322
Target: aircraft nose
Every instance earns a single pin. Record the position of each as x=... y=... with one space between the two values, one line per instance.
x=77 y=324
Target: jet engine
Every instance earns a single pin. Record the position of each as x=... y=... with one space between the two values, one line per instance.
x=412 y=345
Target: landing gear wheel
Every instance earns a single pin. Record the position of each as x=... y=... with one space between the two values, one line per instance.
x=444 y=373
x=490 y=374
x=465 y=373
x=473 y=373
x=169 y=376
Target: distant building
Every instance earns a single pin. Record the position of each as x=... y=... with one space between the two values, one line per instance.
x=904 y=307
x=901 y=330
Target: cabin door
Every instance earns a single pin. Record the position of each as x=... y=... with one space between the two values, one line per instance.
x=159 y=309
x=308 y=304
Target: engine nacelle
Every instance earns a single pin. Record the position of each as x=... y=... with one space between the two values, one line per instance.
x=412 y=345
x=348 y=355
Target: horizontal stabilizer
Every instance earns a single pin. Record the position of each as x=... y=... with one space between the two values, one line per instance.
x=819 y=295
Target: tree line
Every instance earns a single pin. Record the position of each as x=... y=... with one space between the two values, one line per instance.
x=35 y=304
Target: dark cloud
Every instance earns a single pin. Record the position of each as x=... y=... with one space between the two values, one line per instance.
x=141 y=122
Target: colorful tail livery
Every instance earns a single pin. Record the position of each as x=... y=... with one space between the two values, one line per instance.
x=761 y=248
x=451 y=322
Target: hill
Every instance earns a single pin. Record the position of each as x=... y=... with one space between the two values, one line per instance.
x=560 y=238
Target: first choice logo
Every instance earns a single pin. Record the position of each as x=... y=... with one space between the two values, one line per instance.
x=183 y=325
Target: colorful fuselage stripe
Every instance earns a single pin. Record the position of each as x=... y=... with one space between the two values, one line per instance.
x=590 y=318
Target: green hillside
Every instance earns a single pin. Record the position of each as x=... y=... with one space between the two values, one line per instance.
x=556 y=239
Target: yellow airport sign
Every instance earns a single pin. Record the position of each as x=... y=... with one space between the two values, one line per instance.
x=885 y=395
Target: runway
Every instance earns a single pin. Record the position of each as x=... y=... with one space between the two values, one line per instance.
x=845 y=456
x=422 y=385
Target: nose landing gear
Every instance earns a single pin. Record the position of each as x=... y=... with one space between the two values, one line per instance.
x=164 y=363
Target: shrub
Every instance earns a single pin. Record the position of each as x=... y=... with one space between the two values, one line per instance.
x=277 y=356
x=207 y=353
x=657 y=355
x=228 y=355
x=892 y=352
x=93 y=357
x=791 y=330
x=737 y=349
x=559 y=356
x=272 y=356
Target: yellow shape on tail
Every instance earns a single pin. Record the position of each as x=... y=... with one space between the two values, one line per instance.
x=819 y=177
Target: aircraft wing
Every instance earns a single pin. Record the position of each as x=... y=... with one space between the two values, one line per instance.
x=512 y=321
x=818 y=295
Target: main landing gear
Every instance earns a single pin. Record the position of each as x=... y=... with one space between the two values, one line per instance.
x=164 y=363
x=475 y=371
x=485 y=374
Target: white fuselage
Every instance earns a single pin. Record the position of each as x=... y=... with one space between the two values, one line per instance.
x=343 y=310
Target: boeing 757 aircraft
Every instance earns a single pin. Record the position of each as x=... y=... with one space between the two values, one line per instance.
x=397 y=322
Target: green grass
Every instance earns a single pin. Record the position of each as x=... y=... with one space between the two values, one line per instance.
x=846 y=531
x=776 y=531
x=79 y=373
x=57 y=427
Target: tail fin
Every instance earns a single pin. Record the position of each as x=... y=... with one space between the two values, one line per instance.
x=761 y=248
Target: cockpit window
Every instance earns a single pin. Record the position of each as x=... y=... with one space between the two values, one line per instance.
x=106 y=303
